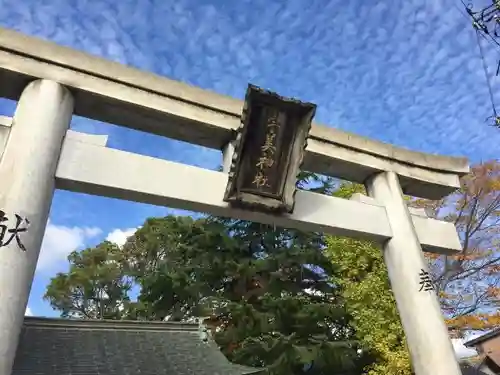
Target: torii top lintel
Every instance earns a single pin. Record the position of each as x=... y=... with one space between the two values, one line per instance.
x=121 y=95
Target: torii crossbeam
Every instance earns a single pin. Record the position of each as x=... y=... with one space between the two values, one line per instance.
x=38 y=154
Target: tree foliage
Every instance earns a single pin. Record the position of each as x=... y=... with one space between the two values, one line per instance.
x=363 y=278
x=95 y=287
x=297 y=316
x=468 y=284
x=266 y=292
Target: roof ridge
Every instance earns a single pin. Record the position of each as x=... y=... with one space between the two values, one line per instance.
x=137 y=325
x=488 y=335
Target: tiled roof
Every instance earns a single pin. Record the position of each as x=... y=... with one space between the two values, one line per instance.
x=90 y=347
x=493 y=333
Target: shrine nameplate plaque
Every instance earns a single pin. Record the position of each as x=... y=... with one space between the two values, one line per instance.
x=268 y=151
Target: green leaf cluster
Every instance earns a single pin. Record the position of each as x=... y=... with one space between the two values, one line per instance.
x=363 y=278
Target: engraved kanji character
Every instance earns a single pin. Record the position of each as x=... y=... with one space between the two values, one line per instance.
x=272 y=122
x=12 y=232
x=260 y=180
x=264 y=162
x=268 y=146
x=426 y=283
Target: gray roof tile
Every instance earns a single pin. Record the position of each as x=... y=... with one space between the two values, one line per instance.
x=77 y=347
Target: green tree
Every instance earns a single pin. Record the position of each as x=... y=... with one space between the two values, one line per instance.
x=363 y=278
x=266 y=292
x=95 y=287
x=282 y=291
x=179 y=264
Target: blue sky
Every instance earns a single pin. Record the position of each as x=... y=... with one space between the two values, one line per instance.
x=407 y=73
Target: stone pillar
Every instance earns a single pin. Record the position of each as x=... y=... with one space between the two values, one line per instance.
x=27 y=178
x=429 y=344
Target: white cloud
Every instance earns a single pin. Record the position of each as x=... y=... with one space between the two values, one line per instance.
x=119 y=236
x=60 y=240
x=28 y=312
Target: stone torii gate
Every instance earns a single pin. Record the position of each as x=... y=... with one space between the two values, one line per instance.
x=38 y=154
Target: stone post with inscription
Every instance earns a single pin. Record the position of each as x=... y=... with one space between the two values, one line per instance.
x=428 y=341
x=27 y=178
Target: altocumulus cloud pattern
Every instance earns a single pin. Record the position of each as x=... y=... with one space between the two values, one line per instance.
x=403 y=72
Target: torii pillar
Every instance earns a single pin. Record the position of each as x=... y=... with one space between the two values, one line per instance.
x=430 y=347
x=27 y=178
